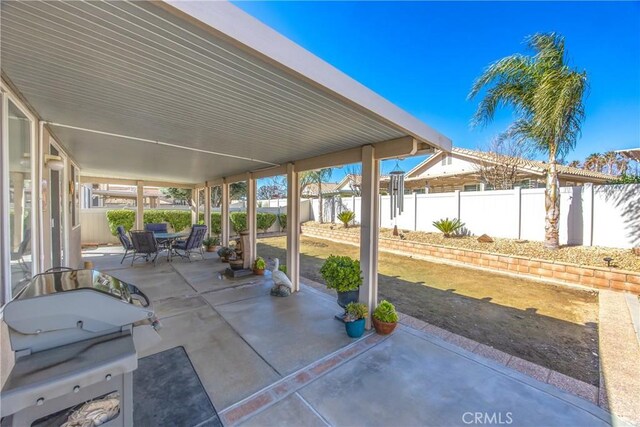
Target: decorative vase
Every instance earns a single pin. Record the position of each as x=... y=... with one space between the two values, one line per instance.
x=355 y=329
x=383 y=328
x=344 y=298
x=258 y=272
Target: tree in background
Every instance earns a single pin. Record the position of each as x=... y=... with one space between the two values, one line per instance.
x=574 y=164
x=237 y=191
x=178 y=194
x=501 y=162
x=547 y=97
x=316 y=177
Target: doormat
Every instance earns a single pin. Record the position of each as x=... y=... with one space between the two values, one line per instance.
x=168 y=392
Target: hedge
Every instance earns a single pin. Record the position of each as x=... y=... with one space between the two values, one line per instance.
x=264 y=220
x=215 y=224
x=282 y=221
x=179 y=220
x=122 y=217
x=239 y=221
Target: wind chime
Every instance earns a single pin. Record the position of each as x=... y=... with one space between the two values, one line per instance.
x=396 y=193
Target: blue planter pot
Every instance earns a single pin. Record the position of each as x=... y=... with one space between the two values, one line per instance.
x=355 y=329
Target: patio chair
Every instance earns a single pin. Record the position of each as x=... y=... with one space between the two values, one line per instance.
x=22 y=250
x=126 y=243
x=156 y=227
x=193 y=243
x=145 y=245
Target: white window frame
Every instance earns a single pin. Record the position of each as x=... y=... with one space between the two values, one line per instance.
x=36 y=194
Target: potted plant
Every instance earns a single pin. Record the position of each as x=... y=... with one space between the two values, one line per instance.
x=385 y=318
x=224 y=253
x=259 y=265
x=356 y=312
x=344 y=275
x=210 y=243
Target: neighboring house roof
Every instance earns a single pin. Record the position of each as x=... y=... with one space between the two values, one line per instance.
x=327 y=188
x=534 y=166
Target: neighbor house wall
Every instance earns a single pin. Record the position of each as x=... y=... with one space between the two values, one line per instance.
x=607 y=215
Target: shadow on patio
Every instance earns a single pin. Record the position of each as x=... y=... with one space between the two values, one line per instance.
x=286 y=361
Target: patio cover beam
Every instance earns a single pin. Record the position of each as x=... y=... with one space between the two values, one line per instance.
x=84 y=179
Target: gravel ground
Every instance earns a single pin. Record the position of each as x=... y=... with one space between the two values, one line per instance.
x=582 y=255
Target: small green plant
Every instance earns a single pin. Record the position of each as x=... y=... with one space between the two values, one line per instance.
x=282 y=221
x=385 y=312
x=210 y=242
x=265 y=220
x=341 y=273
x=355 y=311
x=283 y=268
x=260 y=264
x=346 y=217
x=448 y=226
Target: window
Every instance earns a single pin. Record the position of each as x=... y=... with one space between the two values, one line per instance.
x=472 y=187
x=22 y=195
x=446 y=159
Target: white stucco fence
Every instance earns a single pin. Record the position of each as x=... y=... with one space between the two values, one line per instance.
x=607 y=215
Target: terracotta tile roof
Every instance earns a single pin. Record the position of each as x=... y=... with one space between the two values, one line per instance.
x=327 y=187
x=534 y=165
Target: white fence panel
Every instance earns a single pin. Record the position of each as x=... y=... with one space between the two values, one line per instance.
x=490 y=212
x=432 y=207
x=616 y=215
x=532 y=214
x=611 y=217
x=95 y=227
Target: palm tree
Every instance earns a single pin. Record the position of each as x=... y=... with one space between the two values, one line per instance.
x=547 y=97
x=574 y=164
x=316 y=177
x=593 y=162
x=610 y=159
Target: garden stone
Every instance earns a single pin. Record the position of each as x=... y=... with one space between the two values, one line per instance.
x=485 y=239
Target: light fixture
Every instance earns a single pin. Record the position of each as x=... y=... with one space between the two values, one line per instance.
x=55 y=163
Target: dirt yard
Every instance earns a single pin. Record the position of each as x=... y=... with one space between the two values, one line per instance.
x=552 y=326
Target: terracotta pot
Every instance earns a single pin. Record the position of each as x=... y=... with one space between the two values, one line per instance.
x=258 y=272
x=211 y=249
x=383 y=328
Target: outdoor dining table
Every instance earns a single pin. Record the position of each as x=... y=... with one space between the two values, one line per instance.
x=168 y=239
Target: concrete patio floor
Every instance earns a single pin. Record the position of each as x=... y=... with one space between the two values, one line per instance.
x=268 y=361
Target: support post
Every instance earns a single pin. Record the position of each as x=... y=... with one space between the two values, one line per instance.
x=207 y=208
x=293 y=227
x=195 y=207
x=415 y=211
x=251 y=216
x=139 y=205
x=456 y=194
x=369 y=229
x=224 y=214
x=518 y=205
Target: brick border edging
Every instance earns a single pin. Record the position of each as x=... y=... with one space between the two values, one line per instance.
x=534 y=268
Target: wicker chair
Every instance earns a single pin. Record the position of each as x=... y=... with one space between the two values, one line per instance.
x=126 y=242
x=192 y=244
x=145 y=245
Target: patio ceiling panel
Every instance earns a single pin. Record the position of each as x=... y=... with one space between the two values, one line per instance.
x=137 y=69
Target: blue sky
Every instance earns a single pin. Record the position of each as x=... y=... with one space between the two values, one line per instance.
x=424 y=56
